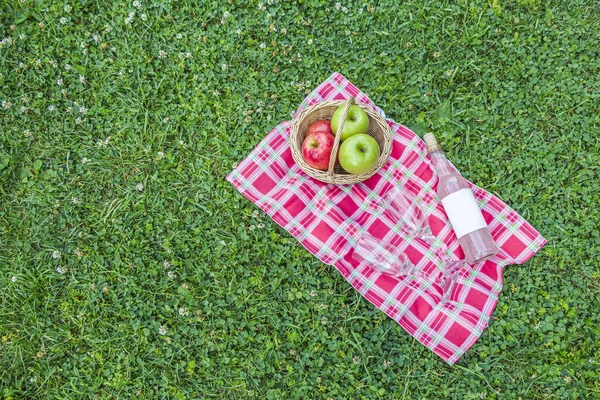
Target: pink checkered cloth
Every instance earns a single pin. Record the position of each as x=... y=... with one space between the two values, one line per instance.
x=328 y=219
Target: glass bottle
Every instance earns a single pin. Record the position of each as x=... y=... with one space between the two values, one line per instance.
x=461 y=207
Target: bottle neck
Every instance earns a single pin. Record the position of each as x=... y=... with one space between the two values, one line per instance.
x=441 y=163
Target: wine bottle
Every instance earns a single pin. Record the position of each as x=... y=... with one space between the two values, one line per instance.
x=461 y=207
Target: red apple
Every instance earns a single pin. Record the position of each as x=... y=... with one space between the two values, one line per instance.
x=319 y=126
x=316 y=150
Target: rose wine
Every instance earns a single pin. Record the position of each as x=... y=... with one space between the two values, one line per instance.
x=461 y=207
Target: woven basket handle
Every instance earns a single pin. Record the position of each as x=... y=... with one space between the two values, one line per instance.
x=337 y=140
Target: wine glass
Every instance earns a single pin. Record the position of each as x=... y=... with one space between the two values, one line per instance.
x=413 y=220
x=382 y=255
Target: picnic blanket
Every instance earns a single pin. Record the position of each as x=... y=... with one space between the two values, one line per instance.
x=328 y=220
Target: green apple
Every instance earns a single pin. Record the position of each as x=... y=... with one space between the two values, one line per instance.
x=359 y=153
x=357 y=121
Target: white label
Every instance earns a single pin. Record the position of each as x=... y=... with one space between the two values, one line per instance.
x=463 y=212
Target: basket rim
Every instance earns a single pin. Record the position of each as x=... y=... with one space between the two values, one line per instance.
x=341 y=179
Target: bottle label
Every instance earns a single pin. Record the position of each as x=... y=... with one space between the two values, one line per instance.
x=463 y=212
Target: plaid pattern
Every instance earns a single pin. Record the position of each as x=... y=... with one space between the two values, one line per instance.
x=328 y=219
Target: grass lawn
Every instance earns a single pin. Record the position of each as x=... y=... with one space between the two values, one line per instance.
x=129 y=267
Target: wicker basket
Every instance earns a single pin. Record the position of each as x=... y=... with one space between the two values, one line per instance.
x=378 y=128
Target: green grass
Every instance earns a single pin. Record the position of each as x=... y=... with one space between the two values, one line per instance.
x=169 y=292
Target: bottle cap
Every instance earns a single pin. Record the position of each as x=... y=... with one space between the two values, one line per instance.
x=431 y=142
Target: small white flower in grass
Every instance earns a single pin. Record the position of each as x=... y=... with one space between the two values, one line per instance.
x=13 y=279
x=179 y=36
x=162 y=54
x=324 y=321
x=63 y=20
x=6 y=105
x=262 y=45
x=161 y=155
x=139 y=187
x=166 y=264
x=59 y=82
x=137 y=4
x=260 y=225
x=56 y=255
x=356 y=360
x=261 y=7
x=103 y=143
x=171 y=274
x=591 y=361
x=79 y=121
x=84 y=160
x=67 y=8
x=224 y=67
x=238 y=31
x=188 y=55
x=251 y=227
x=481 y=395
x=67 y=67
x=82 y=79
x=183 y=311
x=345 y=10
x=79 y=253
x=27 y=133
x=97 y=38
x=386 y=363
x=222 y=243
x=143 y=17
x=22 y=36
x=75 y=200
x=169 y=251
x=283 y=31
x=360 y=10
x=537 y=326
x=23 y=109
x=226 y=14
x=83 y=110
x=162 y=330
x=270 y=2
x=313 y=293
x=51 y=108
x=216 y=93
x=310 y=41
x=62 y=270
x=338 y=6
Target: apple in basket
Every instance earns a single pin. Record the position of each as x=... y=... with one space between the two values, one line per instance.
x=357 y=121
x=323 y=125
x=359 y=153
x=316 y=149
